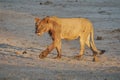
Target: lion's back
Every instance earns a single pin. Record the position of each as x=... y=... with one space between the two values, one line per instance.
x=71 y=28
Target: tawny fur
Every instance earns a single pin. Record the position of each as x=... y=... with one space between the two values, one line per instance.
x=67 y=28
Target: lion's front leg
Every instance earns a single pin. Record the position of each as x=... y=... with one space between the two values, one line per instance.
x=47 y=51
x=44 y=54
x=58 y=48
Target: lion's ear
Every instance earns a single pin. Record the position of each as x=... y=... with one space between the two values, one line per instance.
x=37 y=20
x=48 y=21
x=54 y=23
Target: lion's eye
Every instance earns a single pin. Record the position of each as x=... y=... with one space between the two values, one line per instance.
x=36 y=27
x=36 y=24
x=42 y=25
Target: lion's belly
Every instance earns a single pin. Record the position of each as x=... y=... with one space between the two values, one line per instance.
x=69 y=38
x=70 y=34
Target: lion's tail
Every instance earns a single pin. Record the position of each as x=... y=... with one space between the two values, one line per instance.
x=92 y=43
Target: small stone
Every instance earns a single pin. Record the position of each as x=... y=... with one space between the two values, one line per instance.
x=24 y=52
x=18 y=52
x=99 y=38
x=105 y=79
x=48 y=2
x=41 y=3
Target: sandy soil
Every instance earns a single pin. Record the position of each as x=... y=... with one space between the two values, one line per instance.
x=20 y=47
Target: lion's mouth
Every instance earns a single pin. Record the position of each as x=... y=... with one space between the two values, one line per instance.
x=39 y=34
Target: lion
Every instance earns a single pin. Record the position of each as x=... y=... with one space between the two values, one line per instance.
x=70 y=29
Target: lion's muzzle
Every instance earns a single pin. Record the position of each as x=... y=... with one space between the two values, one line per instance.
x=39 y=34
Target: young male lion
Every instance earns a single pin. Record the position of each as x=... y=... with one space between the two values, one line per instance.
x=67 y=28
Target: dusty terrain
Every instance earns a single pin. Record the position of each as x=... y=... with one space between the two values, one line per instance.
x=20 y=47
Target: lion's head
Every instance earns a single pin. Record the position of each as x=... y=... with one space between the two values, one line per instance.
x=42 y=26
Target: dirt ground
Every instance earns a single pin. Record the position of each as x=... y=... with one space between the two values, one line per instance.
x=20 y=46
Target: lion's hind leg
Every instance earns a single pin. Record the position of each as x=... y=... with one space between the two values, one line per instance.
x=89 y=45
x=82 y=46
x=93 y=46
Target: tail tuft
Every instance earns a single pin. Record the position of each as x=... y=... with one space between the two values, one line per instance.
x=102 y=52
